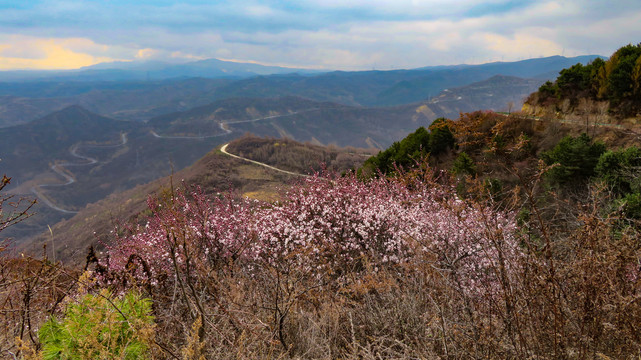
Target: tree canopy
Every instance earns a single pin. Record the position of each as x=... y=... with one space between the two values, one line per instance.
x=413 y=148
x=617 y=80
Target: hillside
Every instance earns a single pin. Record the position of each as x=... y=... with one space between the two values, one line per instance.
x=498 y=93
x=299 y=119
x=73 y=157
x=207 y=119
x=519 y=230
x=27 y=148
x=214 y=173
x=393 y=266
x=495 y=147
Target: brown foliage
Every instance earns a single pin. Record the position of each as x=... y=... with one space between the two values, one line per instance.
x=30 y=291
x=576 y=295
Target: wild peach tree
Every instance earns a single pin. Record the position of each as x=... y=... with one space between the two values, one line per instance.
x=323 y=224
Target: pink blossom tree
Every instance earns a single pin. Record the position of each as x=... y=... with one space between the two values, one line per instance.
x=329 y=225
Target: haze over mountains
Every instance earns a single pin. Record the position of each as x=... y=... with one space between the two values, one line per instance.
x=187 y=86
x=154 y=70
x=73 y=137
x=215 y=68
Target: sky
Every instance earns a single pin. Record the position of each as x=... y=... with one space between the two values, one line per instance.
x=317 y=34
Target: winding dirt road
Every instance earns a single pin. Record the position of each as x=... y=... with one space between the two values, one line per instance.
x=58 y=169
x=223 y=149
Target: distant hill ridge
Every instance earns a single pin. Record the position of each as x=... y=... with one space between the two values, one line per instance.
x=215 y=68
x=498 y=93
x=134 y=94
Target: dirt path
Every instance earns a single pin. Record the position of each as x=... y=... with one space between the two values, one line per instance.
x=223 y=149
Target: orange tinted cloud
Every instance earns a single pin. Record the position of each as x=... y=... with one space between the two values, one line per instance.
x=57 y=54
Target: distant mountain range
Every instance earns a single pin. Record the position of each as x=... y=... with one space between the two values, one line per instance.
x=215 y=68
x=153 y=70
x=136 y=98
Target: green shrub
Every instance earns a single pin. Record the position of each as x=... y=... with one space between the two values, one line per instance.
x=630 y=205
x=412 y=149
x=549 y=90
x=576 y=159
x=100 y=327
x=464 y=165
x=441 y=137
x=403 y=154
x=621 y=170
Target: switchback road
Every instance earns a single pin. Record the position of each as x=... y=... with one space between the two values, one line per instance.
x=59 y=169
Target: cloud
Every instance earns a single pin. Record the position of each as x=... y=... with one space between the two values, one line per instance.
x=332 y=34
x=19 y=52
x=146 y=53
x=522 y=45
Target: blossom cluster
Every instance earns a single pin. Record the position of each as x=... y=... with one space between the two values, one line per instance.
x=331 y=225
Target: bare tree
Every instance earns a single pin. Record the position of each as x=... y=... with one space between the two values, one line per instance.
x=12 y=211
x=510 y=106
x=585 y=109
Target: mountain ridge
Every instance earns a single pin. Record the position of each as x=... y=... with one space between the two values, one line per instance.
x=141 y=100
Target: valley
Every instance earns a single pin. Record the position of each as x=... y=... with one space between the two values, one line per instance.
x=70 y=157
x=169 y=143
x=357 y=180
x=58 y=168
x=219 y=170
